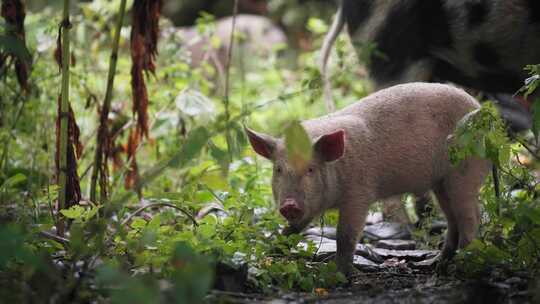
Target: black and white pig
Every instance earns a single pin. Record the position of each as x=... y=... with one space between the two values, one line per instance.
x=479 y=44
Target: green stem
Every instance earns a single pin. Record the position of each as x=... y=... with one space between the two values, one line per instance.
x=226 y=100
x=64 y=115
x=103 y=128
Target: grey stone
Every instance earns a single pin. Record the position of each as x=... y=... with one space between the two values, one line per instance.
x=426 y=264
x=364 y=264
x=325 y=248
x=367 y=252
x=437 y=227
x=319 y=240
x=394 y=262
x=513 y=280
x=230 y=277
x=396 y=244
x=374 y=218
x=328 y=232
x=360 y=260
x=409 y=255
x=387 y=230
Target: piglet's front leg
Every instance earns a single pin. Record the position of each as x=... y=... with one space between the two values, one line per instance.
x=352 y=217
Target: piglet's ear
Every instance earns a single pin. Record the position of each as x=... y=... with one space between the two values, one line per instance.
x=263 y=144
x=331 y=146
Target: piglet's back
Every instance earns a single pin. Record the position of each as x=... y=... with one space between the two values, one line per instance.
x=417 y=98
x=400 y=109
x=397 y=136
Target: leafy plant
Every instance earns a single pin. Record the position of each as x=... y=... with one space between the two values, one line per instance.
x=510 y=238
x=299 y=147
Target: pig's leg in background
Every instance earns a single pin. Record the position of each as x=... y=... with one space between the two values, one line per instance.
x=394 y=210
x=423 y=207
x=352 y=217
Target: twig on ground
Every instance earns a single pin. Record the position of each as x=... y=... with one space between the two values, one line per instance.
x=159 y=205
x=54 y=237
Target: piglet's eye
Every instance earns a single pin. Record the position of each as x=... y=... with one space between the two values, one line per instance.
x=310 y=170
x=278 y=169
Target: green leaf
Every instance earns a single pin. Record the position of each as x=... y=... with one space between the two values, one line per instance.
x=239 y=139
x=534 y=215
x=91 y=212
x=206 y=231
x=299 y=147
x=80 y=214
x=138 y=224
x=154 y=223
x=196 y=141
x=218 y=154
x=317 y=26
x=221 y=156
x=194 y=103
x=480 y=148
x=528 y=247
x=192 y=275
x=480 y=133
x=504 y=155
x=491 y=149
x=13 y=45
x=13 y=181
x=536 y=118
x=75 y=212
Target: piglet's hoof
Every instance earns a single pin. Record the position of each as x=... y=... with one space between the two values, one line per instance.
x=350 y=271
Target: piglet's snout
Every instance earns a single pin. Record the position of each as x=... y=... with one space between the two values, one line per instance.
x=290 y=209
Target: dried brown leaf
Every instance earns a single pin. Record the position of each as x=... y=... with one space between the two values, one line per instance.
x=58 y=50
x=144 y=39
x=74 y=151
x=132 y=174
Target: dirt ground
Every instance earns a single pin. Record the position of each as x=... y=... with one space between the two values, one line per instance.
x=401 y=287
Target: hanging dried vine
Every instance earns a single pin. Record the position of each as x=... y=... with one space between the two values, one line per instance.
x=144 y=39
x=132 y=176
x=74 y=152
